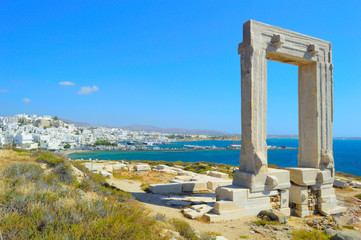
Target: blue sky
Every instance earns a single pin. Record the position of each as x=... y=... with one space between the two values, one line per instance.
x=165 y=63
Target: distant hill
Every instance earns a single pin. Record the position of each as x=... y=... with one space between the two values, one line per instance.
x=79 y=124
x=148 y=128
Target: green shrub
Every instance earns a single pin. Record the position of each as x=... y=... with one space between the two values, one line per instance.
x=309 y=235
x=64 y=173
x=44 y=208
x=184 y=229
x=358 y=196
x=145 y=187
x=349 y=227
x=50 y=159
x=30 y=172
x=263 y=222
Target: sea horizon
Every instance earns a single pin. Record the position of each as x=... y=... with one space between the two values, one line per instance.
x=347 y=154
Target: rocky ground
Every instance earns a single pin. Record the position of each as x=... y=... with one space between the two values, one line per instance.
x=173 y=205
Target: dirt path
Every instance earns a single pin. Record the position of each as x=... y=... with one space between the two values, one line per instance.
x=230 y=229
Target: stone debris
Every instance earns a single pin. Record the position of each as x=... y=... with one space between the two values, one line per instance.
x=321 y=223
x=342 y=235
x=339 y=183
x=197 y=211
x=100 y=166
x=218 y=174
x=273 y=215
x=166 y=188
x=193 y=182
x=142 y=167
x=220 y=238
x=106 y=173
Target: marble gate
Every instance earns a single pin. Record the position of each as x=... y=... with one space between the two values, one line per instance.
x=308 y=187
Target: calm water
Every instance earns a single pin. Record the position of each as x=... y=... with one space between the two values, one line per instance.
x=347 y=154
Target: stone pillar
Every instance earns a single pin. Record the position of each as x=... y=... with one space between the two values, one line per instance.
x=315 y=89
x=253 y=157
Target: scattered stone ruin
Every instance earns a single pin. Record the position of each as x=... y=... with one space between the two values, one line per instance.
x=307 y=188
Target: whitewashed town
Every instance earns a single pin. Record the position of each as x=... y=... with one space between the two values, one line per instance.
x=50 y=133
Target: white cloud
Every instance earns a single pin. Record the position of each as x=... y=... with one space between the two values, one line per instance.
x=3 y=90
x=88 y=90
x=26 y=100
x=67 y=83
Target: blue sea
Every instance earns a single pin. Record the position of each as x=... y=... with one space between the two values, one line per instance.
x=347 y=154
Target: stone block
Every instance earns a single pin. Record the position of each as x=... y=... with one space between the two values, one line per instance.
x=256 y=202
x=328 y=202
x=218 y=174
x=106 y=173
x=236 y=213
x=119 y=166
x=143 y=167
x=232 y=193
x=166 y=188
x=262 y=194
x=302 y=207
x=339 y=183
x=224 y=206
x=191 y=213
x=326 y=192
x=285 y=197
x=202 y=208
x=194 y=186
x=298 y=194
x=357 y=184
x=324 y=177
x=263 y=181
x=302 y=214
x=336 y=210
x=303 y=176
x=213 y=184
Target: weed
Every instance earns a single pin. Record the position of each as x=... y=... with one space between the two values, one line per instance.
x=263 y=222
x=358 y=196
x=309 y=235
x=50 y=159
x=145 y=187
x=184 y=229
x=349 y=227
x=244 y=237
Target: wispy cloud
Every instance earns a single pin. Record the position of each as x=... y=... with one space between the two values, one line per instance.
x=3 y=90
x=26 y=100
x=88 y=90
x=67 y=83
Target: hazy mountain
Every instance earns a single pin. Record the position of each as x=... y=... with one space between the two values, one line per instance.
x=147 y=128
x=138 y=127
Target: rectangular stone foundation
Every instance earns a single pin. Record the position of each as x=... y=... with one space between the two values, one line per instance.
x=236 y=202
x=312 y=180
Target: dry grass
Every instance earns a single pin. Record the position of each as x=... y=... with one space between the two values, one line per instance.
x=48 y=206
x=9 y=157
x=149 y=177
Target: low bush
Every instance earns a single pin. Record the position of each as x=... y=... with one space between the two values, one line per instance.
x=184 y=229
x=310 y=235
x=36 y=205
x=349 y=227
x=263 y=222
x=50 y=159
x=97 y=183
